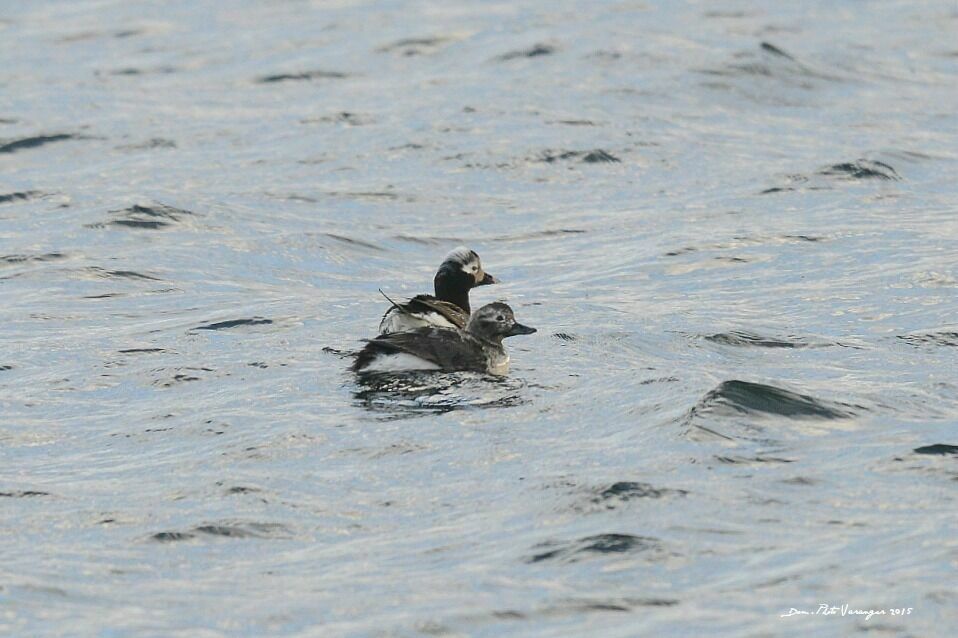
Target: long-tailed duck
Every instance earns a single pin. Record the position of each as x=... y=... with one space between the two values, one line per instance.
x=460 y=272
x=477 y=348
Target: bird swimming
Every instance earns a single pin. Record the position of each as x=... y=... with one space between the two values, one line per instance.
x=477 y=348
x=460 y=271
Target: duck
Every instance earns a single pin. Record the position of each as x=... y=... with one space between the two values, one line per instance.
x=477 y=348
x=460 y=271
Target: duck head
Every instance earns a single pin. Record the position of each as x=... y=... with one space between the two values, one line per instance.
x=494 y=322
x=460 y=272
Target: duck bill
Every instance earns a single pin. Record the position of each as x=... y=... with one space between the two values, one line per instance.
x=519 y=329
x=486 y=280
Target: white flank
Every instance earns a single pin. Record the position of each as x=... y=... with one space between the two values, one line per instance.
x=396 y=321
x=398 y=362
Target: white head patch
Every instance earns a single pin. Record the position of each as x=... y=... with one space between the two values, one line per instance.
x=465 y=258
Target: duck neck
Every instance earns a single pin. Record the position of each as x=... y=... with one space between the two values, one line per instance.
x=447 y=291
x=494 y=342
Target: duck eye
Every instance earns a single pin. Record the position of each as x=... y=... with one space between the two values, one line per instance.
x=500 y=318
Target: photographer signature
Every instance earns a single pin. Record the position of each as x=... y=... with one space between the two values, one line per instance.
x=845 y=609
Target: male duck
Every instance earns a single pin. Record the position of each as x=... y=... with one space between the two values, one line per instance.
x=460 y=272
x=477 y=348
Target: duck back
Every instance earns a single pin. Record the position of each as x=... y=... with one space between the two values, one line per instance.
x=423 y=311
x=442 y=348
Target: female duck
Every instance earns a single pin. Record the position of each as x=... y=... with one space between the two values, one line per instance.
x=477 y=348
x=460 y=272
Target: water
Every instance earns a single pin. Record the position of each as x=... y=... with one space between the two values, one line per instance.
x=733 y=225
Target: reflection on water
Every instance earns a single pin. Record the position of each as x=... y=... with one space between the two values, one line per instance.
x=404 y=395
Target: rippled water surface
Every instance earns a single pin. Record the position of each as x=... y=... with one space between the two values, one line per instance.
x=734 y=224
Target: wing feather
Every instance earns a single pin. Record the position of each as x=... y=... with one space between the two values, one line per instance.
x=448 y=349
x=420 y=307
x=453 y=313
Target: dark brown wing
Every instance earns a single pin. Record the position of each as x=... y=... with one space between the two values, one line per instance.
x=425 y=303
x=422 y=306
x=449 y=349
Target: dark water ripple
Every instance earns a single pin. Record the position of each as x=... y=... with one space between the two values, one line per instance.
x=938 y=449
x=153 y=217
x=589 y=157
x=233 y=323
x=742 y=338
x=584 y=548
x=225 y=530
x=946 y=338
x=745 y=397
x=739 y=460
x=535 y=51
x=826 y=178
x=96 y=271
x=35 y=141
x=862 y=169
x=415 y=46
x=21 y=259
x=152 y=143
x=620 y=493
x=6 y=198
x=302 y=76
